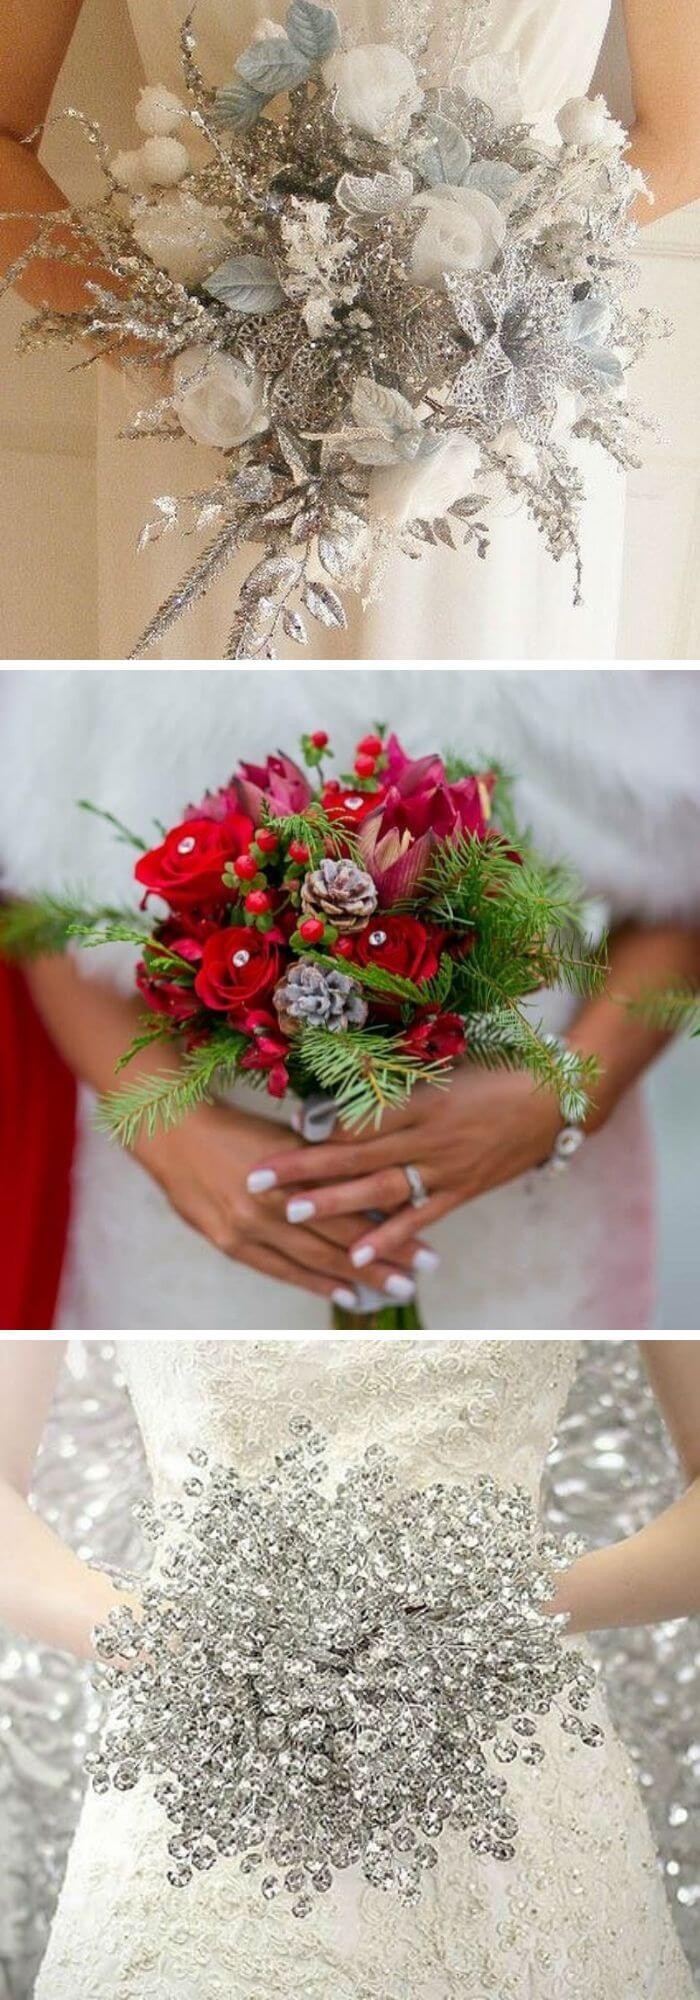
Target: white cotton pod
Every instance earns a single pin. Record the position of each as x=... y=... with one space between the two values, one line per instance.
x=159 y=111
x=129 y=171
x=586 y=121
x=166 y=161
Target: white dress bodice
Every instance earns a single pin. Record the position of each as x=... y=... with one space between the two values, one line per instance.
x=557 y=45
x=442 y=1409
x=579 y=1911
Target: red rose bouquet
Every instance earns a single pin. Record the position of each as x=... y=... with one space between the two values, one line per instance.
x=339 y=937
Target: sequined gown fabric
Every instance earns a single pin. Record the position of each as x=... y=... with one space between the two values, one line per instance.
x=607 y=766
x=581 y=1910
x=518 y=603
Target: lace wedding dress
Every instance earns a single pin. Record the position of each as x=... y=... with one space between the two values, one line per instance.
x=516 y=604
x=607 y=765
x=580 y=1911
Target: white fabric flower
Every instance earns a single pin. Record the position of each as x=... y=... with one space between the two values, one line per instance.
x=184 y=238
x=509 y=444
x=495 y=80
x=218 y=400
x=422 y=488
x=377 y=90
x=159 y=111
x=586 y=121
x=166 y=161
x=463 y=231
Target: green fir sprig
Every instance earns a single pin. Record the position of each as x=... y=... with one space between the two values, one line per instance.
x=673 y=1012
x=163 y=1101
x=366 y=1072
x=47 y=924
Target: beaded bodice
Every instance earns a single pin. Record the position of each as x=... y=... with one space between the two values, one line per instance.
x=444 y=1409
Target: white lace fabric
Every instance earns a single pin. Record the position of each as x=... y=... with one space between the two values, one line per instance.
x=579 y=1913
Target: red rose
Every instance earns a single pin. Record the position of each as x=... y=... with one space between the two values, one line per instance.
x=436 y=1036
x=238 y=965
x=400 y=944
x=186 y=869
x=181 y=943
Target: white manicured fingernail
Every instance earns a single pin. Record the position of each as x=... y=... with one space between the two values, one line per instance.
x=400 y=1288
x=364 y=1254
x=262 y=1179
x=344 y=1297
x=299 y=1211
x=426 y=1260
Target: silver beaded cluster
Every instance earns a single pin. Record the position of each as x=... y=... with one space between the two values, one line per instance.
x=328 y=1676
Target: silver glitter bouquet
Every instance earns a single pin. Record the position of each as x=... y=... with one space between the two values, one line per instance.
x=326 y=1675
x=375 y=292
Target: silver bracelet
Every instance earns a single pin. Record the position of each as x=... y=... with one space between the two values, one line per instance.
x=572 y=1135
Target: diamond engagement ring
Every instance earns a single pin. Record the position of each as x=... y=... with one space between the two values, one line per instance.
x=418 y=1195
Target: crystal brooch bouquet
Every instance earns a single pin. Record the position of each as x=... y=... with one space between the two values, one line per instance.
x=376 y=293
x=326 y=1677
x=342 y=938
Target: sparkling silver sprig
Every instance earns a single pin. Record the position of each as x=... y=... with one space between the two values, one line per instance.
x=328 y=1672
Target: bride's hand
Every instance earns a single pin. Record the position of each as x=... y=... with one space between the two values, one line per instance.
x=203 y=1167
x=483 y=1130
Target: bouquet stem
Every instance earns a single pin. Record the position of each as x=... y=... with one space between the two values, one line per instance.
x=387 y=1319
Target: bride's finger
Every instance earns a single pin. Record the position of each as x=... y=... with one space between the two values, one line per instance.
x=309 y=1249
x=261 y=1257
x=386 y=1190
x=414 y=1255
x=386 y=1238
x=299 y=1164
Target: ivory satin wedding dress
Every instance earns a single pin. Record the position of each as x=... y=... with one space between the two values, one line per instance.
x=579 y=1912
x=516 y=604
x=607 y=766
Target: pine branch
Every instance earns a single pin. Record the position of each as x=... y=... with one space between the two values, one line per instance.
x=123 y=832
x=315 y=828
x=51 y=923
x=166 y=1099
x=504 y=1038
x=366 y=1073
x=153 y=1031
x=674 y=1012
x=429 y=993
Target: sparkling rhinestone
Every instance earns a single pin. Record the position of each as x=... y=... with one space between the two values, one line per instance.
x=377 y=937
x=354 y=804
x=240 y=958
x=187 y=845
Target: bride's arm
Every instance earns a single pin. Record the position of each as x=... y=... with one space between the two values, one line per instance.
x=36 y=37
x=203 y=1164
x=664 y=48
x=655 y=1574
x=46 y=1592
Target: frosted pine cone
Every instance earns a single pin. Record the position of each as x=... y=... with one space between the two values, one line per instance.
x=310 y=997
x=342 y=893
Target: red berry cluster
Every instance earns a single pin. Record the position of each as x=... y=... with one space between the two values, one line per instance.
x=368 y=753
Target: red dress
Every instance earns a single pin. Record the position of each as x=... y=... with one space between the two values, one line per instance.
x=37 y=1129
